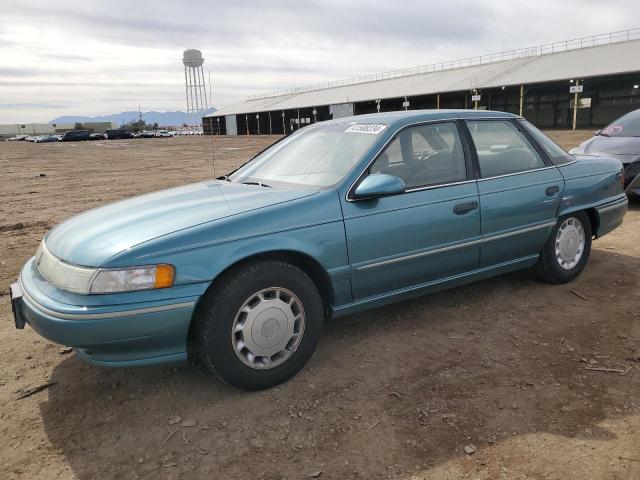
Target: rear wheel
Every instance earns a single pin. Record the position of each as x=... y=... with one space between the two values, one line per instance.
x=261 y=325
x=567 y=251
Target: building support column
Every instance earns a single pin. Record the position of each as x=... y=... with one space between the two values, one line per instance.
x=521 y=99
x=438 y=102
x=270 y=126
x=575 y=106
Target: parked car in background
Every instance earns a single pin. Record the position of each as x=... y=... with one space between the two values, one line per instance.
x=46 y=138
x=96 y=136
x=148 y=134
x=339 y=217
x=75 y=135
x=17 y=138
x=163 y=134
x=621 y=140
x=117 y=134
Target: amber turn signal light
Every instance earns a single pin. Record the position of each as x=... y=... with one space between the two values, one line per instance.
x=165 y=275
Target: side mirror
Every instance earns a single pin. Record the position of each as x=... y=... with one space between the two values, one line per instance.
x=379 y=185
x=597 y=132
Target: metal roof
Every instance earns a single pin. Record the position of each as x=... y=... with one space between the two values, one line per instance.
x=525 y=66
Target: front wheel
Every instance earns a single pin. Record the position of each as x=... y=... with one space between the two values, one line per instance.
x=567 y=250
x=261 y=325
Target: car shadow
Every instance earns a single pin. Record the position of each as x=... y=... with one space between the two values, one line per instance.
x=396 y=390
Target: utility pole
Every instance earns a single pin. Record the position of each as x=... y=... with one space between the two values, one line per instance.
x=521 y=99
x=575 y=104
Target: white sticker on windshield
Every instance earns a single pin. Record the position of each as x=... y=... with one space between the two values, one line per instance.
x=366 y=128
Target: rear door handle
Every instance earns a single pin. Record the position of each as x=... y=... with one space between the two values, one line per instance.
x=551 y=191
x=463 y=208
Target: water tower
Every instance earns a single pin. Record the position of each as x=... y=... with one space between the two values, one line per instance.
x=194 y=83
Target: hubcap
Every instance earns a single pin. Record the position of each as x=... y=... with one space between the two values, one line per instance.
x=570 y=243
x=268 y=328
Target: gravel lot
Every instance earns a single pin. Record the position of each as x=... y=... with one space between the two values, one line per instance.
x=507 y=365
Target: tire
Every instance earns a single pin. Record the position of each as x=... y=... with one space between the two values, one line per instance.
x=552 y=267
x=223 y=325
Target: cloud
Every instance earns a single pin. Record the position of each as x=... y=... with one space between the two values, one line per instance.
x=28 y=106
x=106 y=57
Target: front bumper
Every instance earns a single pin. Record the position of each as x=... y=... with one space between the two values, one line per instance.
x=133 y=332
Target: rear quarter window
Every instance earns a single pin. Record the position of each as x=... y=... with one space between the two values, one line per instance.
x=554 y=151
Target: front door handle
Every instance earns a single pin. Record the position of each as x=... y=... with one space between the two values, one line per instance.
x=551 y=191
x=463 y=208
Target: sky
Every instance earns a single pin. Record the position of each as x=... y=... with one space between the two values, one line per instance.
x=99 y=57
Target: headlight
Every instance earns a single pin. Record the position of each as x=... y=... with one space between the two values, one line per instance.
x=132 y=279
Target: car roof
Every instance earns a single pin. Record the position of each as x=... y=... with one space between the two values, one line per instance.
x=412 y=116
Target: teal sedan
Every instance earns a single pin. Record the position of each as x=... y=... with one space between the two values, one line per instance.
x=238 y=273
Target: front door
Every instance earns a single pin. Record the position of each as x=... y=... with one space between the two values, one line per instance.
x=519 y=192
x=427 y=233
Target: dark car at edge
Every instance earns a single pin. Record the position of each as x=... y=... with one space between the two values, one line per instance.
x=621 y=140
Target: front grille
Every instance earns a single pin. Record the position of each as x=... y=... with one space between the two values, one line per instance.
x=63 y=275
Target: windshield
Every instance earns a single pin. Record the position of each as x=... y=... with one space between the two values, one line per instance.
x=626 y=126
x=316 y=156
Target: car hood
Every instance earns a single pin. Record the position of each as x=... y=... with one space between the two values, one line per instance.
x=91 y=238
x=619 y=146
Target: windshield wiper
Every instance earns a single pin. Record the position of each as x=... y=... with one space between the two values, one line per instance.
x=260 y=184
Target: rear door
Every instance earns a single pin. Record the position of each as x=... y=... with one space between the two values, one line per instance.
x=520 y=191
x=428 y=232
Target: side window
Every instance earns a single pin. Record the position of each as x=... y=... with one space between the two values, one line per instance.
x=502 y=148
x=424 y=155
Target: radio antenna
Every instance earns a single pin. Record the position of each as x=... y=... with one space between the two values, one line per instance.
x=213 y=147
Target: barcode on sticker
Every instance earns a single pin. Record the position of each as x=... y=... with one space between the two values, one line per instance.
x=366 y=128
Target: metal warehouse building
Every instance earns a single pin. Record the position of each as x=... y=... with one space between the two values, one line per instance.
x=599 y=74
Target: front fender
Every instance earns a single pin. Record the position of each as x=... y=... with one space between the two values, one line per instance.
x=312 y=227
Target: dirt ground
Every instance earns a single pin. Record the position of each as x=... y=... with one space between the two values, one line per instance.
x=508 y=365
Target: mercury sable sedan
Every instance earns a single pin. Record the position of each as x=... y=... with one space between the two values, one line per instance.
x=239 y=272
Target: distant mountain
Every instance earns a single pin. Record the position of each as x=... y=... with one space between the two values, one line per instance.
x=164 y=119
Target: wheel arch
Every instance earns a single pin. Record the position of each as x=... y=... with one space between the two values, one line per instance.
x=592 y=213
x=303 y=261
x=594 y=219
